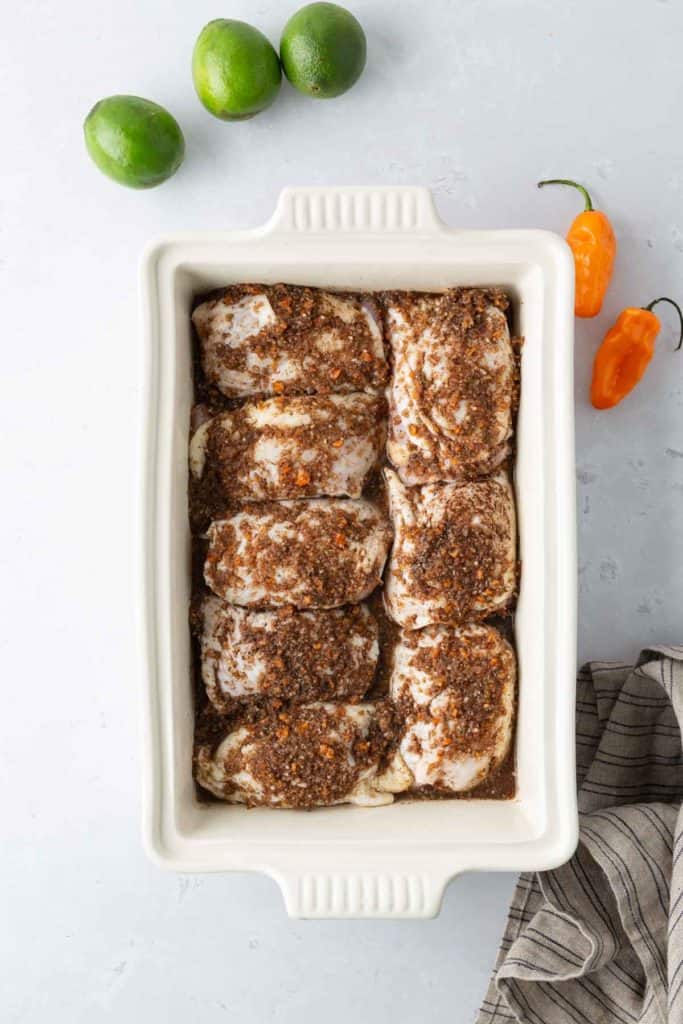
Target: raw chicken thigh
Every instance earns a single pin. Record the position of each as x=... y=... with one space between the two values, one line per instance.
x=291 y=447
x=454 y=553
x=454 y=689
x=286 y=654
x=451 y=397
x=284 y=339
x=320 y=553
x=309 y=410
x=308 y=755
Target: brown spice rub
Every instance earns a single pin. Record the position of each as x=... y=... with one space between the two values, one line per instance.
x=313 y=342
x=320 y=553
x=454 y=557
x=299 y=756
x=293 y=343
x=463 y=561
x=454 y=386
x=290 y=448
x=388 y=636
x=286 y=654
x=454 y=690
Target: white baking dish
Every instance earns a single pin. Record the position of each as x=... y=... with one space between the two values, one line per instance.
x=390 y=861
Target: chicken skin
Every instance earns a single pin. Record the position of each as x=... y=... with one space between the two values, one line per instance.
x=304 y=447
x=285 y=339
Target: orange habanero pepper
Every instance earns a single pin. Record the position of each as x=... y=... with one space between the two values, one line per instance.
x=592 y=241
x=625 y=353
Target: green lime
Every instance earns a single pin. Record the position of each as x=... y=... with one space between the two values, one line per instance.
x=134 y=141
x=323 y=50
x=235 y=69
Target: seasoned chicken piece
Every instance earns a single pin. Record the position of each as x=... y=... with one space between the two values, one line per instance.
x=454 y=690
x=310 y=755
x=454 y=553
x=283 y=339
x=291 y=447
x=451 y=397
x=320 y=553
x=286 y=654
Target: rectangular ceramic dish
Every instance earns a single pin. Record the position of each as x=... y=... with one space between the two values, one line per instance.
x=390 y=861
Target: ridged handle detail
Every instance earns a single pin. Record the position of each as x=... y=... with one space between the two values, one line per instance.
x=338 y=894
x=362 y=209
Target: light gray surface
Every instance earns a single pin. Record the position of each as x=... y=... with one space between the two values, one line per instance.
x=476 y=100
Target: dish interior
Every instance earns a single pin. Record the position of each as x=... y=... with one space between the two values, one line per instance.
x=180 y=271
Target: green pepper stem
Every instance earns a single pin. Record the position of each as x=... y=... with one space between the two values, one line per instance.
x=574 y=184
x=678 y=310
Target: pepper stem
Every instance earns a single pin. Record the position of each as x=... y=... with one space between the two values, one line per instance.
x=678 y=310
x=574 y=184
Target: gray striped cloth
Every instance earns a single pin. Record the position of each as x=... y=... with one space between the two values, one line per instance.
x=601 y=938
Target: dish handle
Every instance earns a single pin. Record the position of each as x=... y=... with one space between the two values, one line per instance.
x=362 y=893
x=355 y=210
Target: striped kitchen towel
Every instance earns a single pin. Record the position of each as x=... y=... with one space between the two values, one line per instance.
x=601 y=938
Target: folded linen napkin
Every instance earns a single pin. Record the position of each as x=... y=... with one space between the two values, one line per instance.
x=600 y=939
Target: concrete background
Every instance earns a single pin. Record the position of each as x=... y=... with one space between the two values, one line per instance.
x=476 y=100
